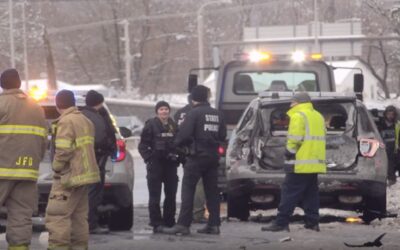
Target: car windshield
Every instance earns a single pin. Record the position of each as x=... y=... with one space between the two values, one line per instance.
x=254 y=82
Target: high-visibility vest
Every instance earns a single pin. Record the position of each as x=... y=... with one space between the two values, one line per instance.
x=397 y=133
x=306 y=139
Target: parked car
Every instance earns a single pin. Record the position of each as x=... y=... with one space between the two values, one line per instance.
x=356 y=159
x=134 y=124
x=117 y=206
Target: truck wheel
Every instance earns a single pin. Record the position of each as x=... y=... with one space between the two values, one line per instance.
x=121 y=220
x=238 y=207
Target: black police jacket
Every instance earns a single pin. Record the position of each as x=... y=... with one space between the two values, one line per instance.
x=104 y=139
x=180 y=115
x=202 y=130
x=156 y=140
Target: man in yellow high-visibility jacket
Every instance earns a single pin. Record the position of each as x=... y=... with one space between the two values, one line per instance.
x=305 y=159
x=23 y=137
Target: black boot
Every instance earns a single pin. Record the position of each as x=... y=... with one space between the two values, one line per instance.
x=209 y=230
x=273 y=227
x=314 y=227
x=176 y=230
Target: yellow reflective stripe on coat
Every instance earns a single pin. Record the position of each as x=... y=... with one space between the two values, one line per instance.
x=84 y=140
x=19 y=172
x=23 y=129
x=64 y=143
x=83 y=179
x=18 y=247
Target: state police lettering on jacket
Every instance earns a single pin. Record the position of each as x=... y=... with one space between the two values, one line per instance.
x=157 y=140
x=203 y=129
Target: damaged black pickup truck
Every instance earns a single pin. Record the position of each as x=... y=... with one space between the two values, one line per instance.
x=356 y=158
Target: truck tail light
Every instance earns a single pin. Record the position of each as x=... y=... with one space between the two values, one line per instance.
x=221 y=151
x=368 y=147
x=121 y=151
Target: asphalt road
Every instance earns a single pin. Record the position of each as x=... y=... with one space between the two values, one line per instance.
x=238 y=235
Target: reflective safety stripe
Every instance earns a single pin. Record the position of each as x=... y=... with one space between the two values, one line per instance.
x=292 y=162
x=23 y=129
x=18 y=247
x=295 y=137
x=19 y=173
x=63 y=143
x=314 y=138
x=83 y=179
x=79 y=142
x=84 y=140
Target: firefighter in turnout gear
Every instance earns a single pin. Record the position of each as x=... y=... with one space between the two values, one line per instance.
x=75 y=167
x=305 y=159
x=162 y=161
x=23 y=136
x=202 y=130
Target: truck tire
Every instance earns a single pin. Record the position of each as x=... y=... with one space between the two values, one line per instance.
x=121 y=220
x=238 y=207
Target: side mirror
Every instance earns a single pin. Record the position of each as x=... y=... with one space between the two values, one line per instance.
x=192 y=82
x=358 y=83
x=125 y=132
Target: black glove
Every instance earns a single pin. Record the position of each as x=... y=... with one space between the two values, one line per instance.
x=289 y=155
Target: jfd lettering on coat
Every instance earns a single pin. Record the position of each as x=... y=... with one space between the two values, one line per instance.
x=211 y=127
x=26 y=161
x=212 y=118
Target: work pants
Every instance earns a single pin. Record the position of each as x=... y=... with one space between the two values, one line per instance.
x=67 y=217
x=158 y=173
x=194 y=169
x=96 y=192
x=20 y=199
x=299 y=189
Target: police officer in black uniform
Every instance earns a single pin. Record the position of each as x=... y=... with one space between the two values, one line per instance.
x=105 y=146
x=162 y=160
x=387 y=126
x=203 y=130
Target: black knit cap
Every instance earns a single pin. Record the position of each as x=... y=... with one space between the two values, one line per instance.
x=162 y=104
x=9 y=79
x=200 y=93
x=93 y=98
x=65 y=99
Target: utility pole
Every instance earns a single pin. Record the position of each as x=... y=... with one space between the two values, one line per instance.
x=11 y=21
x=25 y=47
x=126 y=40
x=316 y=27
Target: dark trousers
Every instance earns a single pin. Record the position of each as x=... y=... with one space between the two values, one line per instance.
x=392 y=162
x=159 y=172
x=194 y=169
x=96 y=193
x=299 y=189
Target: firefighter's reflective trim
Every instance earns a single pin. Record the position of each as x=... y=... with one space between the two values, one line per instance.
x=19 y=173
x=23 y=129
x=18 y=247
x=64 y=143
x=84 y=140
x=299 y=162
x=82 y=179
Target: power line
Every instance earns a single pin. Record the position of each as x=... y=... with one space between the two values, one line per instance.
x=59 y=30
